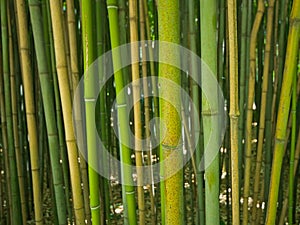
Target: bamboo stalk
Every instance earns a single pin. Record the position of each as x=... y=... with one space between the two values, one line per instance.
x=14 y=89
x=147 y=109
x=61 y=66
x=137 y=107
x=283 y=112
x=208 y=15
x=125 y=152
x=251 y=87
x=263 y=107
x=171 y=146
x=90 y=102
x=234 y=109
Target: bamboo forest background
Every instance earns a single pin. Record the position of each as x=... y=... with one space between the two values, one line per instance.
x=252 y=49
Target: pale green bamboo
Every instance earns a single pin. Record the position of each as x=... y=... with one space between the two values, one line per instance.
x=208 y=15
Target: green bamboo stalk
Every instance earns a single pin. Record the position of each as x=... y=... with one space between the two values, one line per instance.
x=15 y=192
x=234 y=109
x=5 y=144
x=61 y=66
x=208 y=25
x=242 y=72
x=168 y=29
x=101 y=31
x=48 y=103
x=90 y=101
x=125 y=154
x=285 y=202
x=251 y=87
x=292 y=153
x=262 y=113
x=51 y=64
x=14 y=89
x=196 y=130
x=283 y=112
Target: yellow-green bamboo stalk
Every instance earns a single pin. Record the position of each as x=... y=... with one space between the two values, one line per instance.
x=137 y=107
x=263 y=103
x=30 y=106
x=283 y=110
x=234 y=109
x=77 y=111
x=168 y=28
x=285 y=202
x=251 y=89
x=62 y=71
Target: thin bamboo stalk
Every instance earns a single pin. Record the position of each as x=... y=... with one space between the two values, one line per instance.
x=147 y=109
x=283 y=112
x=251 y=87
x=137 y=107
x=234 y=109
x=16 y=216
x=263 y=105
x=14 y=89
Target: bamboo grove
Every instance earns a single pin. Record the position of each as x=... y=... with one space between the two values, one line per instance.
x=155 y=114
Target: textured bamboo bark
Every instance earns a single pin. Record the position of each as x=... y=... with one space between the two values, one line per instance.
x=251 y=87
x=61 y=66
x=283 y=110
x=234 y=109
x=125 y=153
x=171 y=146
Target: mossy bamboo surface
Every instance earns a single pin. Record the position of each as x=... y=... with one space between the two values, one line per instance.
x=171 y=146
x=283 y=110
x=63 y=80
